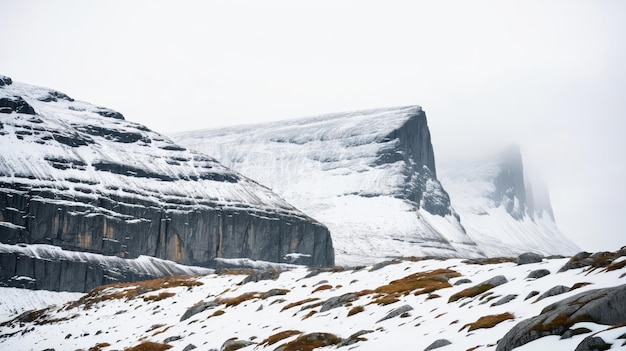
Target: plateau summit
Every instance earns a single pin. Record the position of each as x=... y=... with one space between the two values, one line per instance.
x=370 y=176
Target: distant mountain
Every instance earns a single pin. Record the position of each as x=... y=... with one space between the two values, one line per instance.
x=82 y=178
x=502 y=209
x=369 y=176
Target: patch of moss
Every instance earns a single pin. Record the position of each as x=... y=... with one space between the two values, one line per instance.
x=418 y=283
x=471 y=292
x=218 y=313
x=489 y=321
x=149 y=346
x=579 y=285
x=309 y=314
x=298 y=303
x=272 y=339
x=308 y=342
x=234 y=301
x=355 y=310
x=131 y=290
x=322 y=287
x=159 y=297
x=616 y=266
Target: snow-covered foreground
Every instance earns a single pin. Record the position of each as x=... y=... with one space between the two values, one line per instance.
x=218 y=312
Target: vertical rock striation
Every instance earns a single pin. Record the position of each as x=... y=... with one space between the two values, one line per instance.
x=369 y=176
x=82 y=178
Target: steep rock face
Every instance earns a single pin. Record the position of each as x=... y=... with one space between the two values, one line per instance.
x=368 y=175
x=82 y=178
x=45 y=267
x=501 y=209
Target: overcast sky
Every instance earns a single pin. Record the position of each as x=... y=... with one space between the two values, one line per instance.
x=549 y=75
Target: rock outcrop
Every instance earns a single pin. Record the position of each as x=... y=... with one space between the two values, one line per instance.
x=81 y=177
x=45 y=267
x=602 y=306
x=370 y=176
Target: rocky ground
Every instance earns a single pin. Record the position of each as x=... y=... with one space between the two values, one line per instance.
x=528 y=303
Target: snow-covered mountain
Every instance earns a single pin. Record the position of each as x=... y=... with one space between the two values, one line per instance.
x=369 y=176
x=502 y=208
x=482 y=304
x=82 y=178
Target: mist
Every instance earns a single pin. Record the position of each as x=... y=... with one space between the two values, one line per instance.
x=548 y=76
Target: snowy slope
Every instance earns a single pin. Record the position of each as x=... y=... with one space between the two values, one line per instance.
x=367 y=175
x=32 y=143
x=501 y=210
x=213 y=311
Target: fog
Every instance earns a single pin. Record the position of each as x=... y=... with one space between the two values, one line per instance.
x=549 y=76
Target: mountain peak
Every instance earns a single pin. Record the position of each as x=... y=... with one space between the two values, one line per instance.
x=368 y=175
x=503 y=209
x=82 y=178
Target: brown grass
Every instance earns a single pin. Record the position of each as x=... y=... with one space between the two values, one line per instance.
x=471 y=292
x=418 y=283
x=149 y=346
x=99 y=346
x=162 y=331
x=234 y=301
x=218 y=313
x=308 y=342
x=492 y=260
x=579 y=285
x=275 y=292
x=322 y=287
x=309 y=314
x=355 y=310
x=132 y=290
x=272 y=339
x=298 y=303
x=561 y=320
x=616 y=266
x=159 y=297
x=489 y=321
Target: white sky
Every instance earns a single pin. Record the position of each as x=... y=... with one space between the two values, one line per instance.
x=550 y=75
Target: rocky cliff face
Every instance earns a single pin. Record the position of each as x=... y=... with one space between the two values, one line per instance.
x=368 y=175
x=82 y=178
x=501 y=209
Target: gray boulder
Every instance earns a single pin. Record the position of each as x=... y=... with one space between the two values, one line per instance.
x=581 y=259
x=396 y=312
x=556 y=290
x=197 y=308
x=528 y=257
x=338 y=301
x=506 y=299
x=437 y=344
x=539 y=273
x=235 y=344
x=258 y=276
x=462 y=281
x=602 y=306
x=592 y=343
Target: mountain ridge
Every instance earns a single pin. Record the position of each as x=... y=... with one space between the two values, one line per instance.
x=81 y=177
x=368 y=175
x=500 y=204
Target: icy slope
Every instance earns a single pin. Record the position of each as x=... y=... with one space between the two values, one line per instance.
x=368 y=175
x=80 y=177
x=400 y=305
x=501 y=210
